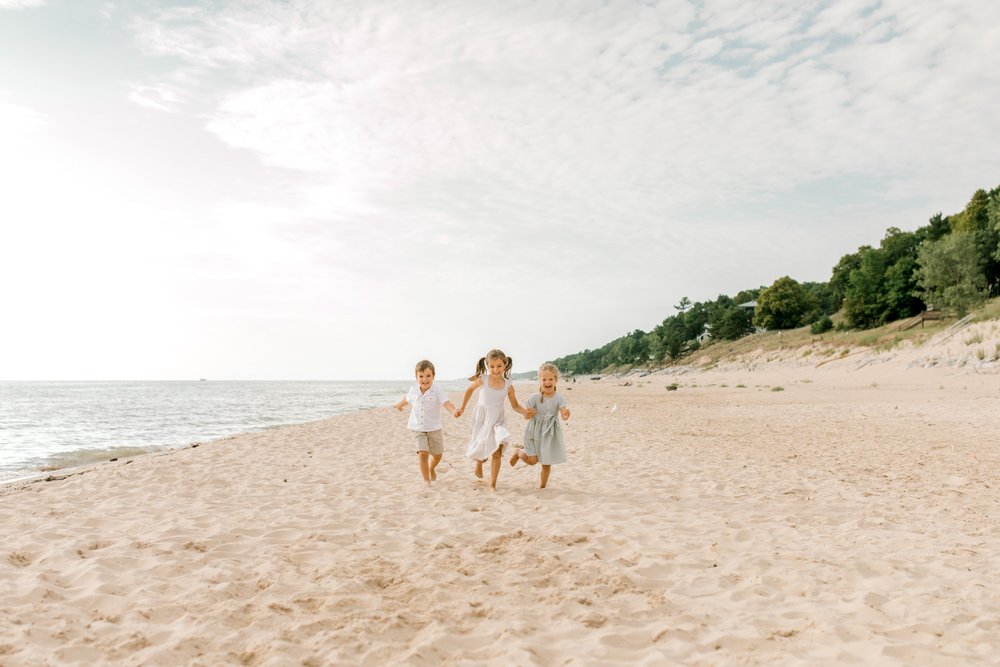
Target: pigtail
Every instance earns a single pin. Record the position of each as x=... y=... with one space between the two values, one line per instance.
x=506 y=369
x=480 y=369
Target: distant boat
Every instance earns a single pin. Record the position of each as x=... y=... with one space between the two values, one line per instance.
x=201 y=379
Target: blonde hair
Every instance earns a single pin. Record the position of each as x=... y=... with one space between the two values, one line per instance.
x=551 y=368
x=424 y=365
x=490 y=356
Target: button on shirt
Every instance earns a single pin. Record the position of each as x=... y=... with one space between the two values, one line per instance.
x=425 y=409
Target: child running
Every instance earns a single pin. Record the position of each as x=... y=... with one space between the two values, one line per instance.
x=543 y=436
x=489 y=429
x=425 y=418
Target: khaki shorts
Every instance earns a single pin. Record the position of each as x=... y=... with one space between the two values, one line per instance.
x=430 y=441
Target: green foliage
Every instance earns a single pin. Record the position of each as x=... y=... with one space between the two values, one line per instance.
x=975 y=216
x=950 y=274
x=993 y=215
x=952 y=261
x=935 y=228
x=821 y=325
x=980 y=218
x=732 y=322
x=841 y=277
x=824 y=298
x=864 y=287
x=784 y=305
x=675 y=337
x=882 y=287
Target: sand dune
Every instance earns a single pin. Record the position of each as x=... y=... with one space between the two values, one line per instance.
x=848 y=517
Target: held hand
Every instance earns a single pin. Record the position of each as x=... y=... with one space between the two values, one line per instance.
x=458 y=413
x=530 y=413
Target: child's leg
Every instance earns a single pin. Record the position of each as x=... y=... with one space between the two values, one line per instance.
x=435 y=446
x=495 y=464
x=424 y=471
x=530 y=460
x=479 y=469
x=515 y=456
x=545 y=476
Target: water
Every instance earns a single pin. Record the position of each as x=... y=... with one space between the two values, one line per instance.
x=46 y=426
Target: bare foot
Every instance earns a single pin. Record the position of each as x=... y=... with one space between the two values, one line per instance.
x=479 y=469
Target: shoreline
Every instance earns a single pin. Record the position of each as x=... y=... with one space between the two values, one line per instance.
x=58 y=426
x=840 y=520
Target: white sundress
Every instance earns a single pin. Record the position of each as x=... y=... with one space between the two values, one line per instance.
x=489 y=427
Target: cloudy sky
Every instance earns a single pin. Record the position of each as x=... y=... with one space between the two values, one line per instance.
x=305 y=189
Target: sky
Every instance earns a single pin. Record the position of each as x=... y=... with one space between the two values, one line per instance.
x=316 y=190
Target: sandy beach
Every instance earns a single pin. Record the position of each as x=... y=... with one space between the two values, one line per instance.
x=771 y=511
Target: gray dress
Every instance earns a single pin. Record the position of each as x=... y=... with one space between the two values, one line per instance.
x=543 y=436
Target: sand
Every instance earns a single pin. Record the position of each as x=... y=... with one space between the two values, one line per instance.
x=766 y=512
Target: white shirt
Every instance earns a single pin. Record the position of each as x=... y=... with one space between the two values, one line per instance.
x=425 y=409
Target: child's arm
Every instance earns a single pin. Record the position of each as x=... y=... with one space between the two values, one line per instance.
x=474 y=385
x=527 y=412
x=564 y=411
x=402 y=404
x=442 y=397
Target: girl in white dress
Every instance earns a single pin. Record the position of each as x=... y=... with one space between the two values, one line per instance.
x=489 y=426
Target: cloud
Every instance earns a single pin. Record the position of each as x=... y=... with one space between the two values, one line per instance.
x=160 y=98
x=16 y=119
x=22 y=4
x=391 y=95
x=612 y=118
x=666 y=148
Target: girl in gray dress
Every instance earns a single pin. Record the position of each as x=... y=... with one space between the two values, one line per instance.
x=543 y=436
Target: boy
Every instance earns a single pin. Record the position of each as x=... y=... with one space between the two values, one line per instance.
x=425 y=418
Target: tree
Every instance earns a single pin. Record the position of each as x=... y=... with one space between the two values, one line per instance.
x=826 y=302
x=882 y=287
x=975 y=216
x=695 y=320
x=993 y=213
x=936 y=227
x=783 y=305
x=732 y=322
x=635 y=348
x=977 y=219
x=871 y=286
x=899 y=280
x=949 y=273
x=899 y=293
x=671 y=333
x=862 y=302
x=841 y=277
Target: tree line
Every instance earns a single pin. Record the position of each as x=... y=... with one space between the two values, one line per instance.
x=952 y=263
